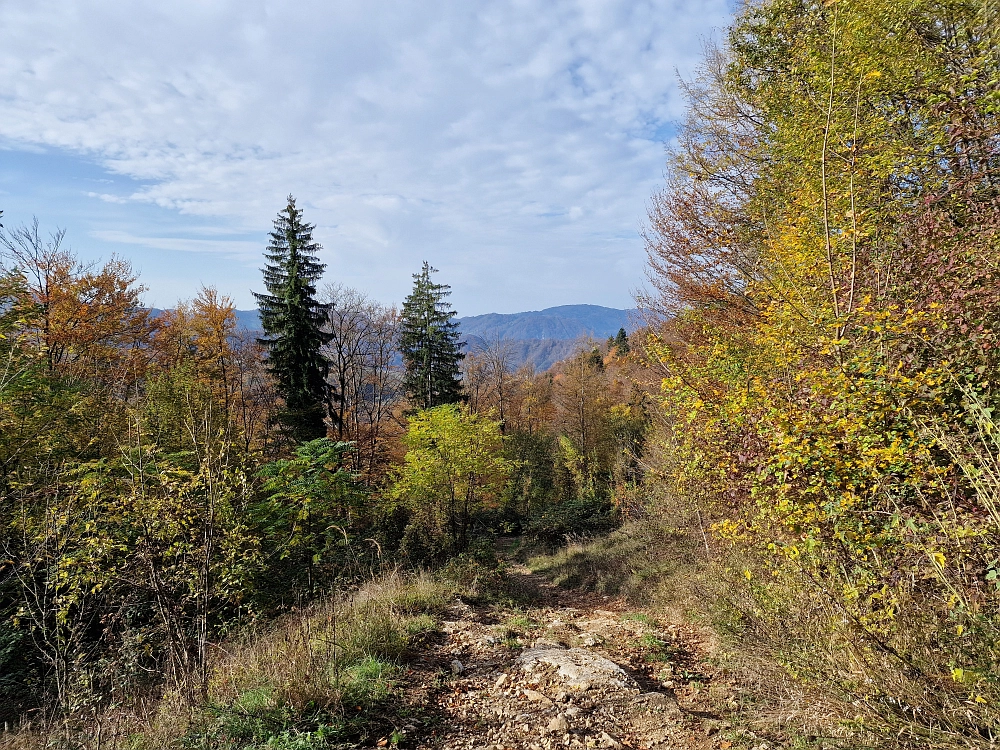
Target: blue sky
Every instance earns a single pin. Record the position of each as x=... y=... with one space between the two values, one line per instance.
x=512 y=144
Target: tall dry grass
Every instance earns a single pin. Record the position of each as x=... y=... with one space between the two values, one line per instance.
x=314 y=676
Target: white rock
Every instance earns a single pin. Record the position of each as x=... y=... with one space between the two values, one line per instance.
x=578 y=667
x=559 y=723
x=608 y=741
x=534 y=695
x=456 y=667
x=501 y=682
x=545 y=643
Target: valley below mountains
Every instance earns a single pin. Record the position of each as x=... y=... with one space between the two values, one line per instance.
x=538 y=337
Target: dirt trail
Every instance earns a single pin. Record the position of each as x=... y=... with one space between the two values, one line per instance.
x=571 y=669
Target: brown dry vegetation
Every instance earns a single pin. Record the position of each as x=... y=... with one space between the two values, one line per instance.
x=328 y=670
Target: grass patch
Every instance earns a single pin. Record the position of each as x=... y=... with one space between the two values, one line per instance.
x=637 y=617
x=657 y=651
x=521 y=622
x=323 y=676
x=479 y=574
x=643 y=561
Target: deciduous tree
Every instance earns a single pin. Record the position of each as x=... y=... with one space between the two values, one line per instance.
x=454 y=466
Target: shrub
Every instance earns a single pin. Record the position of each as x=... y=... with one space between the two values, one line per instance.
x=477 y=574
x=584 y=516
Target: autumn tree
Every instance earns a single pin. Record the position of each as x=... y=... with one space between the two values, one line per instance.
x=293 y=324
x=91 y=322
x=475 y=381
x=453 y=468
x=255 y=394
x=381 y=394
x=347 y=326
x=824 y=251
x=362 y=354
x=201 y=331
x=578 y=391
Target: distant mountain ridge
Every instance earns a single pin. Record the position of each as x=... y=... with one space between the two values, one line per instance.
x=248 y=320
x=541 y=353
x=541 y=337
x=563 y=323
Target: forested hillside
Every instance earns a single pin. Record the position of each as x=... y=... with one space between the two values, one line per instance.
x=216 y=538
x=540 y=338
x=566 y=322
x=172 y=481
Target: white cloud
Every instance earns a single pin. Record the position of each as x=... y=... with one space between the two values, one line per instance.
x=511 y=143
x=109 y=198
x=237 y=249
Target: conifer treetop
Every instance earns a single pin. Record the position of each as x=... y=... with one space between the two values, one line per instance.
x=430 y=345
x=292 y=319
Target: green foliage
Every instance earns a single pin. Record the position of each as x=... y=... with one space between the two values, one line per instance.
x=429 y=343
x=310 y=505
x=532 y=482
x=478 y=573
x=575 y=517
x=453 y=468
x=160 y=554
x=293 y=323
x=39 y=414
x=175 y=400
x=320 y=677
x=621 y=342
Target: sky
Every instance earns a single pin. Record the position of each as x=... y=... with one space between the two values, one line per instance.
x=513 y=145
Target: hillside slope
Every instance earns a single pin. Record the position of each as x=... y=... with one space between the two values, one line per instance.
x=540 y=337
x=564 y=323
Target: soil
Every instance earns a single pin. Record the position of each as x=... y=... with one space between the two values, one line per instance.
x=567 y=669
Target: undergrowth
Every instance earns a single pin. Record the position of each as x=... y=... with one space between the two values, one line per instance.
x=323 y=676
x=320 y=674
x=643 y=561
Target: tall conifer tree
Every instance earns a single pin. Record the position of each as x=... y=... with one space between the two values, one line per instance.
x=621 y=342
x=429 y=341
x=292 y=319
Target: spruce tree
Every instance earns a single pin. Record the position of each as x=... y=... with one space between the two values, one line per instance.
x=429 y=342
x=621 y=342
x=292 y=319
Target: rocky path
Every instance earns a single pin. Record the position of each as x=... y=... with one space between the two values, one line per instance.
x=570 y=670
